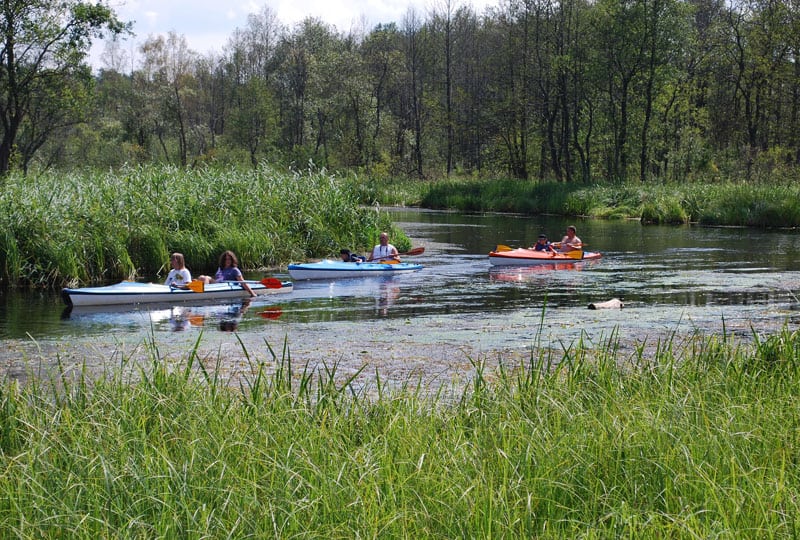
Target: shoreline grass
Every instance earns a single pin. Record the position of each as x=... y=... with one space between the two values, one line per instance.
x=93 y=227
x=692 y=440
x=77 y=228
x=715 y=203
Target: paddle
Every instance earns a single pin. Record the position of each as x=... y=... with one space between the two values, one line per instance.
x=410 y=253
x=196 y=285
x=273 y=312
x=269 y=283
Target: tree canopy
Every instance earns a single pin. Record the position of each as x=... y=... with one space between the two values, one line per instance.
x=44 y=80
x=575 y=91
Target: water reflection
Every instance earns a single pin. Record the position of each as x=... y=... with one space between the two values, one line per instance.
x=523 y=274
x=388 y=293
x=226 y=317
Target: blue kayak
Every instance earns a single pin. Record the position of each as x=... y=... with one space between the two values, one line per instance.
x=328 y=269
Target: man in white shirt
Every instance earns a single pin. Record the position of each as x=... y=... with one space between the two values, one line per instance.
x=384 y=252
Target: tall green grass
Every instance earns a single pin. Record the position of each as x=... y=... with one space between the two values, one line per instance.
x=688 y=438
x=752 y=204
x=87 y=227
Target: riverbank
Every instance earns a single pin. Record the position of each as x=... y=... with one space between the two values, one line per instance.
x=537 y=418
x=68 y=229
x=715 y=203
x=103 y=226
x=691 y=441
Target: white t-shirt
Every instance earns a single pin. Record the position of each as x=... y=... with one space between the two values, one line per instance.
x=380 y=251
x=179 y=278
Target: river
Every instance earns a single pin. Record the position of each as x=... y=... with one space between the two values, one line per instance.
x=674 y=281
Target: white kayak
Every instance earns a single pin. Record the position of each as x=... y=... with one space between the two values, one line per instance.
x=328 y=269
x=134 y=292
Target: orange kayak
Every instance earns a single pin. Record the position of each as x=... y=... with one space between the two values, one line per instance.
x=524 y=256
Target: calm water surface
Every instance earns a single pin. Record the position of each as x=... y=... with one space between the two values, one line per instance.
x=667 y=276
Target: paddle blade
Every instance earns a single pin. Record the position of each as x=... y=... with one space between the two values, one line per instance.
x=196 y=286
x=574 y=254
x=273 y=312
x=271 y=283
x=501 y=247
x=196 y=320
x=415 y=251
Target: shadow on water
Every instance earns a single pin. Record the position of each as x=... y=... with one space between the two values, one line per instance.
x=668 y=269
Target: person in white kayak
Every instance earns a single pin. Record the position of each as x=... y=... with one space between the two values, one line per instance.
x=228 y=271
x=179 y=277
x=384 y=251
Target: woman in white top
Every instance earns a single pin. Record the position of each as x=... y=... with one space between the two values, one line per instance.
x=384 y=251
x=179 y=277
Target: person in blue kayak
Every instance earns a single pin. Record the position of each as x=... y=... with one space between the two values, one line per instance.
x=384 y=251
x=228 y=271
x=347 y=256
x=179 y=276
x=543 y=245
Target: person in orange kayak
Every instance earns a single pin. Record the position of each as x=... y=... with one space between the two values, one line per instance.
x=543 y=245
x=570 y=242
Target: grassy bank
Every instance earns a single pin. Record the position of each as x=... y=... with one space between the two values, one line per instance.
x=61 y=228
x=698 y=440
x=738 y=204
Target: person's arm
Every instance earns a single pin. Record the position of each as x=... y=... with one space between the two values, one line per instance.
x=575 y=244
x=245 y=286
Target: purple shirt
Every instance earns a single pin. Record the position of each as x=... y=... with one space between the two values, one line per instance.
x=230 y=273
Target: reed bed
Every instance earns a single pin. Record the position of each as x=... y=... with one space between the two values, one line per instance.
x=725 y=203
x=697 y=438
x=75 y=228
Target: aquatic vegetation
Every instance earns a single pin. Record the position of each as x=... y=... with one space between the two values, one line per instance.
x=102 y=226
x=689 y=437
x=753 y=205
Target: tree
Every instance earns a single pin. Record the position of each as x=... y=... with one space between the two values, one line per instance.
x=45 y=43
x=168 y=68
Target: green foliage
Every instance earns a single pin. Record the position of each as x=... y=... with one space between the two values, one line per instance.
x=692 y=437
x=147 y=246
x=752 y=205
x=103 y=227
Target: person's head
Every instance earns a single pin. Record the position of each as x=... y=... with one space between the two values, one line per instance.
x=177 y=260
x=229 y=325
x=228 y=258
x=542 y=239
x=345 y=254
x=384 y=238
x=571 y=231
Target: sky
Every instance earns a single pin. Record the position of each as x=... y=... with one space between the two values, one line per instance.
x=207 y=24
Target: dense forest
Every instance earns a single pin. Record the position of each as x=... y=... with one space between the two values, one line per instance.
x=572 y=91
